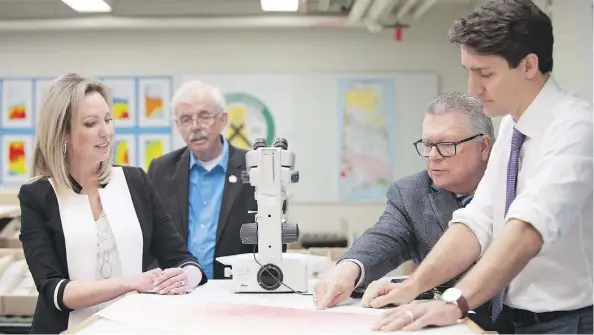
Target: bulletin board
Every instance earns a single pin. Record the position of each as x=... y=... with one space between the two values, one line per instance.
x=141 y=113
x=352 y=133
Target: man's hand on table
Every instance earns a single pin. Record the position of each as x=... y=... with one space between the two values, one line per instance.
x=381 y=293
x=418 y=315
x=337 y=285
x=172 y=281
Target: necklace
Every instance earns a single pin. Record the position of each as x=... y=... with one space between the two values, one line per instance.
x=105 y=268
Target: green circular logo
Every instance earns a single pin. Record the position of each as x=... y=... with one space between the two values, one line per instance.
x=249 y=119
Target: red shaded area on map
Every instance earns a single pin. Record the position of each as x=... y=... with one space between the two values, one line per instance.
x=374 y=166
x=16 y=151
x=17 y=113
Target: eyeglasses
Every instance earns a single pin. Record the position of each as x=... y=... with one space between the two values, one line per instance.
x=203 y=119
x=445 y=149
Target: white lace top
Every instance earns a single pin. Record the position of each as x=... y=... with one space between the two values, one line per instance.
x=108 y=262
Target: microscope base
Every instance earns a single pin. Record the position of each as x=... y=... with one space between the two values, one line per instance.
x=250 y=277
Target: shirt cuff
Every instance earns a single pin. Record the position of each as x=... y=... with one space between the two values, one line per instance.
x=58 y=296
x=189 y=263
x=204 y=279
x=361 y=268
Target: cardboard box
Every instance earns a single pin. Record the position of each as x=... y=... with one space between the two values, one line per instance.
x=9 y=196
x=9 y=211
x=333 y=253
x=18 y=294
x=319 y=268
x=9 y=236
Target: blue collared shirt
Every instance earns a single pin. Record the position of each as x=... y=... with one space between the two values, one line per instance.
x=205 y=197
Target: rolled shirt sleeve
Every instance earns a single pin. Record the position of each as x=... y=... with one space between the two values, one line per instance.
x=478 y=214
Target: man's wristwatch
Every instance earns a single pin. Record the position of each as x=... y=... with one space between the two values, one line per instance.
x=454 y=296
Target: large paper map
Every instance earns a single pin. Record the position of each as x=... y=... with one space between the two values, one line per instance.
x=366 y=107
x=184 y=315
x=212 y=310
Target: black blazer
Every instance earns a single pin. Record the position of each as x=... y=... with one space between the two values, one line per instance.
x=43 y=242
x=170 y=174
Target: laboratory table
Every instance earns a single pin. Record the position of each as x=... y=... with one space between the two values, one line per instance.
x=214 y=308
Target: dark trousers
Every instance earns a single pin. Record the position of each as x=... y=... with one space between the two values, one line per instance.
x=482 y=317
x=519 y=321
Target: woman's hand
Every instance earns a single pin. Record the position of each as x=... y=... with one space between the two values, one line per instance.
x=172 y=281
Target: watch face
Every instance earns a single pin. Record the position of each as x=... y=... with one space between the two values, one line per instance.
x=451 y=295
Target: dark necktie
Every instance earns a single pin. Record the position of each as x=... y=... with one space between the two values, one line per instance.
x=510 y=195
x=464 y=199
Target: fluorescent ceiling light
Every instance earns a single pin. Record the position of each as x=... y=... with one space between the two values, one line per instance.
x=279 y=5
x=88 y=6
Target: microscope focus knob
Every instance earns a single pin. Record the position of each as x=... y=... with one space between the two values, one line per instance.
x=245 y=177
x=295 y=177
x=259 y=143
x=281 y=143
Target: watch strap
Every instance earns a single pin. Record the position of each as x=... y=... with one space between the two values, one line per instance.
x=463 y=306
x=459 y=301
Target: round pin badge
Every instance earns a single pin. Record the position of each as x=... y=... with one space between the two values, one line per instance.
x=232 y=179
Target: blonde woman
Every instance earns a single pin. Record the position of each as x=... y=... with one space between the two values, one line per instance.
x=88 y=227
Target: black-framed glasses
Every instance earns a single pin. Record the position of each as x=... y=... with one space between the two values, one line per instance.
x=445 y=149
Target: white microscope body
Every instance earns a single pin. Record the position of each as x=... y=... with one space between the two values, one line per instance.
x=269 y=170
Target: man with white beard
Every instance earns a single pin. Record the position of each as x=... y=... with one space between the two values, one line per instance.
x=200 y=184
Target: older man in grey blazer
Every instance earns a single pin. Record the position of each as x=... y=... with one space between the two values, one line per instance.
x=456 y=142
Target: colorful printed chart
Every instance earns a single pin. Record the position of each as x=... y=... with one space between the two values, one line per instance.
x=367 y=143
x=141 y=114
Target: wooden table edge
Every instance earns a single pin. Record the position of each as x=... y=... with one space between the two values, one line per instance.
x=94 y=318
x=475 y=327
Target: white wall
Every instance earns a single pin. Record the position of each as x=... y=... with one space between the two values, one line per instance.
x=425 y=47
x=572 y=22
x=247 y=51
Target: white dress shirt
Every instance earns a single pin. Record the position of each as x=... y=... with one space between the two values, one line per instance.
x=554 y=194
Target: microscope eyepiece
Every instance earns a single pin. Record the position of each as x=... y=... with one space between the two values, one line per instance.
x=281 y=143
x=260 y=143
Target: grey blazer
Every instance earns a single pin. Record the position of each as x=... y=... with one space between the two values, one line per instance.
x=415 y=217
